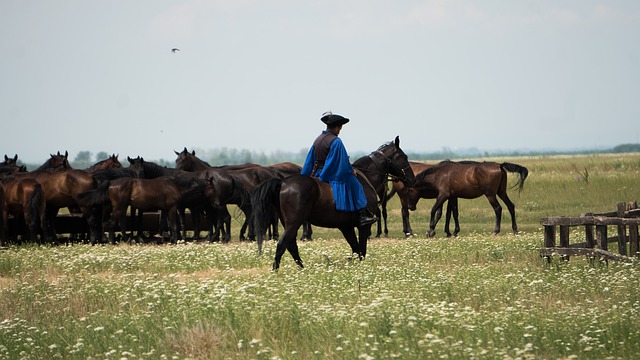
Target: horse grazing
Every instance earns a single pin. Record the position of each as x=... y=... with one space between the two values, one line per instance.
x=410 y=195
x=470 y=180
x=300 y=198
x=25 y=200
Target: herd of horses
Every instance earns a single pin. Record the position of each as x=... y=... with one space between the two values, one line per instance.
x=107 y=192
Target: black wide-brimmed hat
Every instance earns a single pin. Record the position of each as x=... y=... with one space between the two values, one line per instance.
x=332 y=119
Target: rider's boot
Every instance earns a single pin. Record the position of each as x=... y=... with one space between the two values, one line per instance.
x=365 y=219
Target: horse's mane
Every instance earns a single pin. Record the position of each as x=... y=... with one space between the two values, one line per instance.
x=196 y=159
x=385 y=145
x=152 y=170
x=110 y=174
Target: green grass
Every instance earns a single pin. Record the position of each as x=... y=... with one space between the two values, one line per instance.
x=475 y=296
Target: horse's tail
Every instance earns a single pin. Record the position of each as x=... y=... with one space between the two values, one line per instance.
x=523 y=171
x=34 y=206
x=265 y=199
x=95 y=197
x=241 y=196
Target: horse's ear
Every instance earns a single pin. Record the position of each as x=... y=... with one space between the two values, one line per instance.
x=15 y=158
x=6 y=157
x=398 y=141
x=129 y=159
x=193 y=152
x=177 y=153
x=66 y=154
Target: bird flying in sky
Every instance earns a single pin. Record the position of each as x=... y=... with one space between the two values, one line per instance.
x=174 y=50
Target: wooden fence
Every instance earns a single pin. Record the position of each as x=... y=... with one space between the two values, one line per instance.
x=624 y=220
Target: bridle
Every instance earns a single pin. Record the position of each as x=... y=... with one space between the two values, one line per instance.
x=389 y=165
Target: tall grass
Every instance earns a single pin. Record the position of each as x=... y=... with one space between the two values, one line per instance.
x=475 y=296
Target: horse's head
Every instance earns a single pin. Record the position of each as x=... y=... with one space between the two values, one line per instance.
x=185 y=159
x=137 y=166
x=57 y=162
x=113 y=162
x=398 y=162
x=10 y=162
x=188 y=161
x=210 y=192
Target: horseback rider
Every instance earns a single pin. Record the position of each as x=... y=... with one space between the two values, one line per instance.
x=328 y=161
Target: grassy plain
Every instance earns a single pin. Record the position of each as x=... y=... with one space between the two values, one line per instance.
x=475 y=296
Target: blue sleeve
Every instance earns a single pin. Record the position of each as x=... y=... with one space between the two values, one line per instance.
x=308 y=163
x=337 y=166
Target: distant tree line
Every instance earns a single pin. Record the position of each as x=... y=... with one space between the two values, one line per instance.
x=229 y=156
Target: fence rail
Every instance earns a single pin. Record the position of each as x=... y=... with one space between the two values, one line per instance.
x=625 y=219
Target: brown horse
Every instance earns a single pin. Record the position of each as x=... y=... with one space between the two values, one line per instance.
x=61 y=189
x=229 y=191
x=410 y=195
x=111 y=162
x=24 y=199
x=12 y=162
x=470 y=180
x=249 y=175
x=56 y=162
x=301 y=198
x=165 y=194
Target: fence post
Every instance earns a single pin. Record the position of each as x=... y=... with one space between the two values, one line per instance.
x=633 y=240
x=601 y=234
x=564 y=239
x=588 y=232
x=622 y=239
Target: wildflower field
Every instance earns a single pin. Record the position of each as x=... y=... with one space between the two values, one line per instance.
x=477 y=296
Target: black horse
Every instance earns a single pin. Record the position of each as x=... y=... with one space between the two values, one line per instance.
x=300 y=198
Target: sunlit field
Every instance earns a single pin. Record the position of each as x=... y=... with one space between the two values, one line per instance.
x=476 y=296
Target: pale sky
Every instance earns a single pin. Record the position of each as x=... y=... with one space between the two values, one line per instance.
x=253 y=74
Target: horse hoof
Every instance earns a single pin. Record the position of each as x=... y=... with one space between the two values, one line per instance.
x=431 y=233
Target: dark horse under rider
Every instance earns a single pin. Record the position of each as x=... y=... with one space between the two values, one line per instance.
x=328 y=161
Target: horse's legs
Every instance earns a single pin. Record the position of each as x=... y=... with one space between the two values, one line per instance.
x=52 y=213
x=307 y=231
x=173 y=223
x=363 y=236
x=288 y=237
x=293 y=250
x=406 y=224
x=183 y=220
x=350 y=235
x=226 y=225
x=436 y=213
x=512 y=210
x=377 y=213
x=454 y=205
x=498 y=210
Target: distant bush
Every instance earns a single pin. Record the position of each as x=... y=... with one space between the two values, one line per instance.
x=626 y=148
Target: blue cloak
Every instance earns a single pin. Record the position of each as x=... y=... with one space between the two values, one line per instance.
x=348 y=193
